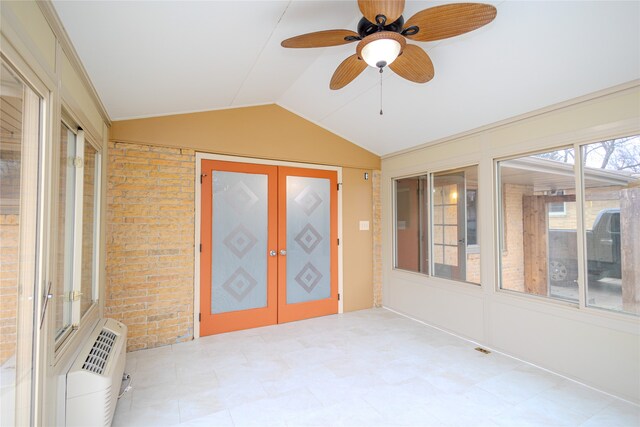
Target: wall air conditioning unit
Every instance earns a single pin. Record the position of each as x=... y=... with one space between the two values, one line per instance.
x=93 y=382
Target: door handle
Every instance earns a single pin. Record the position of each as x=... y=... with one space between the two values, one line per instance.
x=273 y=253
x=283 y=252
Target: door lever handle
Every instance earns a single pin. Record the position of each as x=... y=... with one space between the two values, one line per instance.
x=283 y=252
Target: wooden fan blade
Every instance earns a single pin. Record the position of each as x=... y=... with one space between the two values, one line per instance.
x=392 y=9
x=321 y=39
x=414 y=64
x=348 y=70
x=450 y=20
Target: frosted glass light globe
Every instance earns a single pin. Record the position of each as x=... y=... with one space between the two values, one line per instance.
x=380 y=53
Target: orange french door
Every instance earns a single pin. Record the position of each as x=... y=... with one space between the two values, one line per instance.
x=308 y=233
x=239 y=223
x=269 y=245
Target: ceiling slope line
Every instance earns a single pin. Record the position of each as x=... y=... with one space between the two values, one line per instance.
x=264 y=46
x=199 y=110
x=374 y=86
x=341 y=106
x=359 y=95
x=352 y=24
x=317 y=123
x=385 y=77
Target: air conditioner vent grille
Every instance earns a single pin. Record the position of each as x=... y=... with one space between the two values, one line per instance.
x=97 y=357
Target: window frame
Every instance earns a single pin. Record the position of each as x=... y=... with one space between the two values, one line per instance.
x=69 y=251
x=34 y=268
x=429 y=230
x=96 y=221
x=470 y=249
x=78 y=319
x=563 y=212
x=581 y=228
x=500 y=207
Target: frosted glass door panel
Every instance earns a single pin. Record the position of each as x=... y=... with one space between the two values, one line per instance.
x=239 y=241
x=308 y=239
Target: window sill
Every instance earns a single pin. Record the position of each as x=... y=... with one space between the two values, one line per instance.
x=447 y=284
x=622 y=322
x=66 y=349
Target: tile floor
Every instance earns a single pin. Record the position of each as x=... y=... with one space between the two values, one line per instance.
x=366 y=368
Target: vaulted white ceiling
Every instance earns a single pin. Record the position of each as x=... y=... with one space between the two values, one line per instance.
x=151 y=58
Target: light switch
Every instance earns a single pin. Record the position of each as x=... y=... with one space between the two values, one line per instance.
x=364 y=225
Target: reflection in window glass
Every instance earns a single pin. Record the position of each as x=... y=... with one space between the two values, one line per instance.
x=411 y=229
x=63 y=285
x=89 y=226
x=472 y=216
x=538 y=246
x=454 y=219
x=611 y=174
x=454 y=225
x=19 y=153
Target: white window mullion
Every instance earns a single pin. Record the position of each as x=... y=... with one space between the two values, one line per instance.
x=77 y=229
x=432 y=264
x=583 y=276
x=69 y=210
x=96 y=228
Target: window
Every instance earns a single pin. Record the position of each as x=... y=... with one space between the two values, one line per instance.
x=77 y=246
x=90 y=225
x=411 y=230
x=557 y=208
x=449 y=211
x=543 y=256
x=611 y=178
x=542 y=247
x=63 y=285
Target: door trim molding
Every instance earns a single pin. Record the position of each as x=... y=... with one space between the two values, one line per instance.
x=198 y=205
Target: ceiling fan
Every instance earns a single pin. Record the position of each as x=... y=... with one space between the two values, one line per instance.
x=382 y=37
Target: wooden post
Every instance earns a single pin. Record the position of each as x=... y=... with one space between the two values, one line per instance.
x=535 y=237
x=630 y=248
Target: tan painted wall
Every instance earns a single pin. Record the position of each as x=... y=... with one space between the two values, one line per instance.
x=265 y=132
x=357 y=206
x=268 y=132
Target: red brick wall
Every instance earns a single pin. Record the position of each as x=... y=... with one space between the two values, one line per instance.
x=150 y=242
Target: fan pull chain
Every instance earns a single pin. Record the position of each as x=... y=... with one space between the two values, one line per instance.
x=381 y=91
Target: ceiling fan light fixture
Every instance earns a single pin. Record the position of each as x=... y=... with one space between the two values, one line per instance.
x=381 y=49
x=380 y=53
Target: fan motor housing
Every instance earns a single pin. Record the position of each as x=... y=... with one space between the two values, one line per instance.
x=366 y=27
